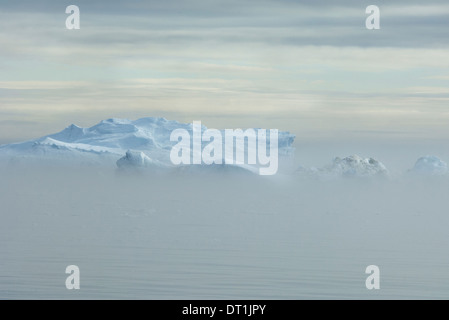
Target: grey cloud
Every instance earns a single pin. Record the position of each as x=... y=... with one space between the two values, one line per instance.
x=196 y=22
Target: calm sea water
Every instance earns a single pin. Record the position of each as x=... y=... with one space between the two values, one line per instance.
x=217 y=237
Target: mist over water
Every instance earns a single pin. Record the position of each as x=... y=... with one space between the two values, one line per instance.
x=104 y=106
x=217 y=235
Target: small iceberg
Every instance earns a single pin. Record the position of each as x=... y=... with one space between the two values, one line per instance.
x=429 y=166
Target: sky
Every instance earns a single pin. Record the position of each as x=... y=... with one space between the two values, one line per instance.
x=308 y=67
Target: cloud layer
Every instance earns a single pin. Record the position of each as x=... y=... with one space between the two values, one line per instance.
x=302 y=66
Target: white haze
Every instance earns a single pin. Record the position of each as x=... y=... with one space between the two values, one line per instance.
x=188 y=236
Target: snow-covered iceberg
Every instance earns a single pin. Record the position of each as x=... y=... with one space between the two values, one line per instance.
x=142 y=143
x=429 y=166
x=352 y=166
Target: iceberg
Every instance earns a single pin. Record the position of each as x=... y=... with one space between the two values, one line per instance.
x=430 y=166
x=123 y=143
x=352 y=167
